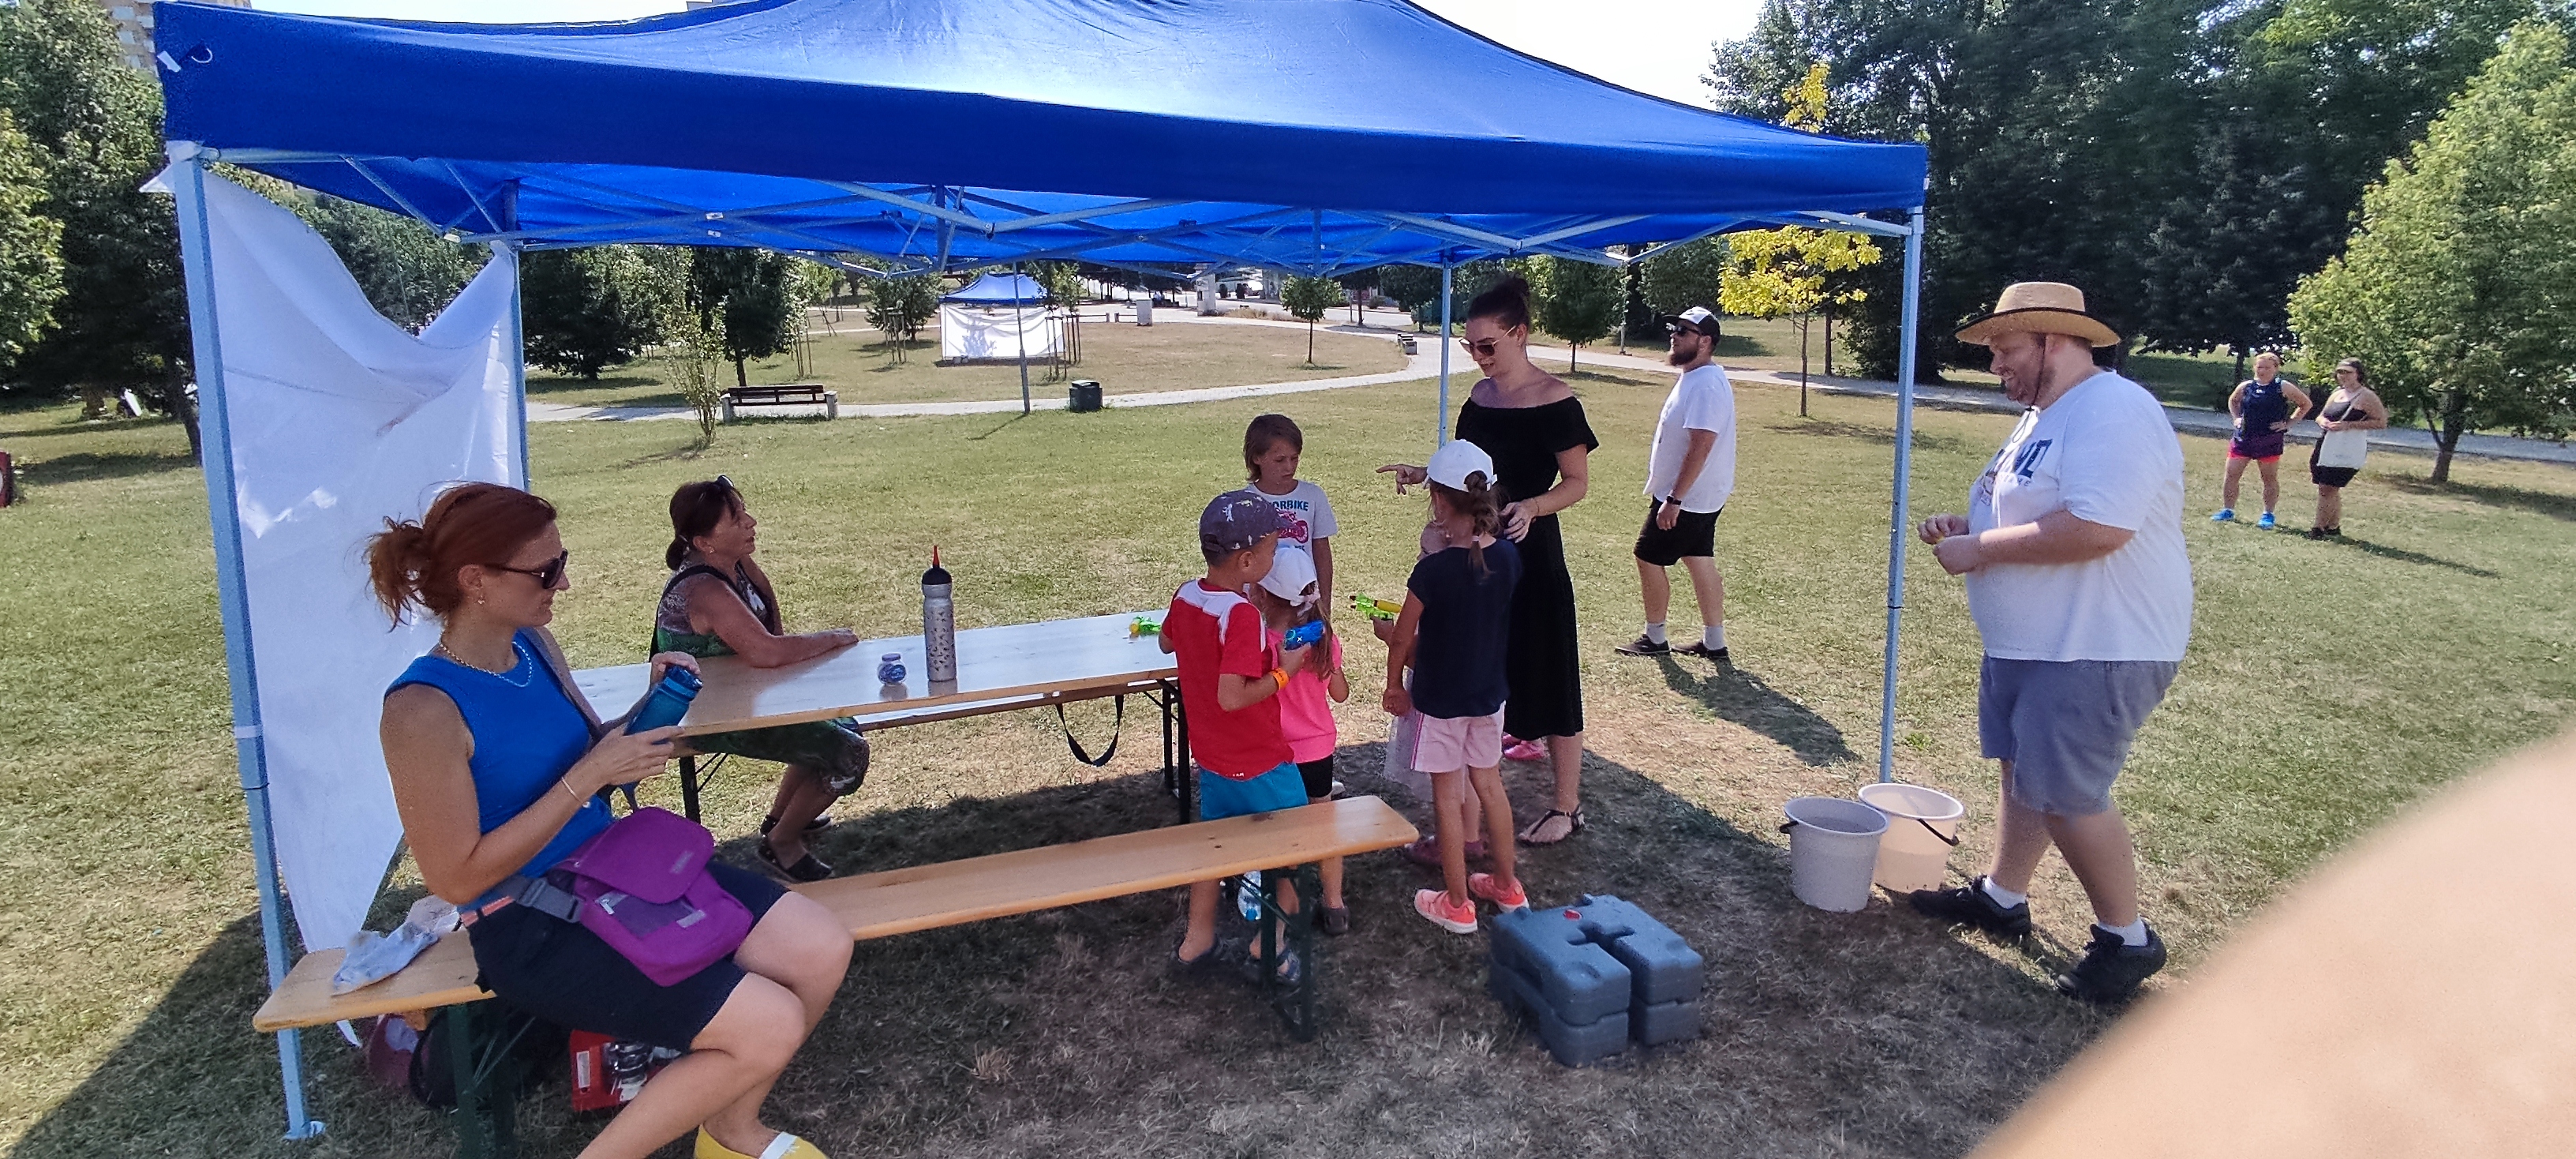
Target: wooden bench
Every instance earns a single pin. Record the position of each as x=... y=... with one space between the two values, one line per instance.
x=794 y=394
x=896 y=901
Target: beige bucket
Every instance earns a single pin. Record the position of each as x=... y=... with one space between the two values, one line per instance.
x=1922 y=825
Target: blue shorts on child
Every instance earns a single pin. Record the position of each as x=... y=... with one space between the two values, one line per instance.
x=1280 y=788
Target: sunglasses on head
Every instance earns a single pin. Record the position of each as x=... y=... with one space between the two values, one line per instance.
x=547 y=576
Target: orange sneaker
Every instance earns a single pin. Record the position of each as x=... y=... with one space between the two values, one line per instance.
x=1433 y=904
x=1483 y=885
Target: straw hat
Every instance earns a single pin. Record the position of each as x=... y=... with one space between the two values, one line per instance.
x=2039 y=308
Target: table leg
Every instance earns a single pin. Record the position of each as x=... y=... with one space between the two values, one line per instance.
x=1171 y=772
x=487 y=1082
x=1181 y=762
x=1297 y=1006
x=689 y=787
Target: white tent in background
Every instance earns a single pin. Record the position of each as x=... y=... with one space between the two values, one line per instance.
x=1001 y=318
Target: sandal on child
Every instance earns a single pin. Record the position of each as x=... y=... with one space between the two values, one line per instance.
x=1573 y=825
x=1425 y=851
x=807 y=868
x=812 y=827
x=1334 y=920
x=1198 y=968
x=1290 y=969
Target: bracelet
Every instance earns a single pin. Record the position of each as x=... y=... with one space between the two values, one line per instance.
x=566 y=782
x=1280 y=675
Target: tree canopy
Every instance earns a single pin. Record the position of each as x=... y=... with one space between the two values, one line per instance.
x=749 y=300
x=2458 y=292
x=31 y=261
x=1576 y=301
x=1308 y=298
x=583 y=311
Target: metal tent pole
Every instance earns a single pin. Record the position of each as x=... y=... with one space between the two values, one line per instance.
x=232 y=590
x=1440 y=422
x=518 y=360
x=1898 y=517
x=1020 y=324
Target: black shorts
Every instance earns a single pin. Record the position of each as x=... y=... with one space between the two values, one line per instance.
x=1318 y=776
x=2332 y=476
x=1692 y=534
x=561 y=972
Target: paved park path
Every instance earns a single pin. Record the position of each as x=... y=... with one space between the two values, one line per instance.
x=1462 y=373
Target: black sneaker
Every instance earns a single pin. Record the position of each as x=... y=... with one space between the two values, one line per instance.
x=1643 y=645
x=1701 y=649
x=2112 y=969
x=1968 y=905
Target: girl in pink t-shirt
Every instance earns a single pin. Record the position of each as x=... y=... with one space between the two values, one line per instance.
x=1287 y=597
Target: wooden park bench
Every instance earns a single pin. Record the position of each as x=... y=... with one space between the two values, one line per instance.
x=895 y=901
x=795 y=394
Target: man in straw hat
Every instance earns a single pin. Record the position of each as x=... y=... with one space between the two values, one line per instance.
x=2072 y=554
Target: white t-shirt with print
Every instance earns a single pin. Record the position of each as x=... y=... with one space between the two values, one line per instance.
x=1308 y=516
x=2105 y=453
x=1702 y=401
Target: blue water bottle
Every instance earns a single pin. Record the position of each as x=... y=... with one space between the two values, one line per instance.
x=669 y=701
x=1247 y=896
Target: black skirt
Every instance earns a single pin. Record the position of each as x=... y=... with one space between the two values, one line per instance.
x=561 y=972
x=1543 y=663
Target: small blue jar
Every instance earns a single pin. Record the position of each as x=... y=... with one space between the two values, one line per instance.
x=890 y=668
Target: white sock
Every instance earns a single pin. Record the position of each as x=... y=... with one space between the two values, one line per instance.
x=2132 y=934
x=1655 y=632
x=2003 y=897
x=1712 y=636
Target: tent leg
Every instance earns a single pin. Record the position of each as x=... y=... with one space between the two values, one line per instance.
x=1440 y=421
x=518 y=361
x=189 y=192
x=1898 y=516
x=1020 y=325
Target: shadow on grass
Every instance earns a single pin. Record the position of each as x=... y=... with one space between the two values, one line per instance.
x=2549 y=503
x=86 y=467
x=1868 y=433
x=996 y=428
x=1746 y=699
x=539 y=387
x=2402 y=555
x=1064 y=1033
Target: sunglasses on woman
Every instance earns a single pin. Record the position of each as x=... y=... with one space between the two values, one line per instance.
x=1480 y=346
x=547 y=576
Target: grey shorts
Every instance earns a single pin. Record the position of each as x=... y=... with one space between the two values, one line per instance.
x=2066 y=725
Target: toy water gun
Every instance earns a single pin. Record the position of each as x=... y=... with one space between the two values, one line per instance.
x=1376 y=609
x=1140 y=626
x=1303 y=636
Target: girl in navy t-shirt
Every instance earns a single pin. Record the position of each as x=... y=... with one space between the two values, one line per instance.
x=1453 y=631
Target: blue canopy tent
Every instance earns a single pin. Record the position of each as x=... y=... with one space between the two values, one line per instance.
x=1000 y=290
x=1123 y=132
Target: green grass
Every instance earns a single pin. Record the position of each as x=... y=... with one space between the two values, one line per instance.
x=851 y=358
x=2329 y=684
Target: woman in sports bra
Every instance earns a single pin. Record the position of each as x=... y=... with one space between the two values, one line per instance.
x=2263 y=406
x=719 y=603
x=2352 y=407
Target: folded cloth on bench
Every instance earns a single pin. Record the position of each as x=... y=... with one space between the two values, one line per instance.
x=373 y=956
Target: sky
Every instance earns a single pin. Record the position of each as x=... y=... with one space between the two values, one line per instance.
x=1653 y=46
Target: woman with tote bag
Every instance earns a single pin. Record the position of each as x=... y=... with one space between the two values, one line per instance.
x=2350 y=411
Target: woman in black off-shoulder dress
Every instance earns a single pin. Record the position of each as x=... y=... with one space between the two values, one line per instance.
x=1535 y=429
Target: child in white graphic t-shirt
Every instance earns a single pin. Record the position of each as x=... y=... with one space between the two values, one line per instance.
x=1271 y=446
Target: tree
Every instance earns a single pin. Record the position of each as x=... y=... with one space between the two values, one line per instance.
x=693 y=357
x=31 y=262
x=745 y=298
x=900 y=306
x=1680 y=277
x=408 y=271
x=1576 y=301
x=1782 y=273
x=94 y=129
x=583 y=311
x=1062 y=282
x=2459 y=289
x=1308 y=298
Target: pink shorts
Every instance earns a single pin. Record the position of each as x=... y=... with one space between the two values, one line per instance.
x=1452 y=744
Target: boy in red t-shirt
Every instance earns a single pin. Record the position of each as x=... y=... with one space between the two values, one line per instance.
x=1230 y=682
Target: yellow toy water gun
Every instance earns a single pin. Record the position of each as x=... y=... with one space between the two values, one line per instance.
x=1376 y=609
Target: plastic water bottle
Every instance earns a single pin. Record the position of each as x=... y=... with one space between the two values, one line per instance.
x=938 y=624
x=1247 y=896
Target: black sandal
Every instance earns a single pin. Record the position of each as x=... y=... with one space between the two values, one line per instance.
x=1575 y=825
x=1334 y=920
x=807 y=868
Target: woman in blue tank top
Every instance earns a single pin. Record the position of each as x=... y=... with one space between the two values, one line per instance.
x=499 y=768
x=2264 y=406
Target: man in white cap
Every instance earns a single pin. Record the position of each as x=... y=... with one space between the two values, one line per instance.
x=2073 y=557
x=1689 y=475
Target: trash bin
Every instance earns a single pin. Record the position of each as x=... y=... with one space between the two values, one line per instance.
x=1083 y=396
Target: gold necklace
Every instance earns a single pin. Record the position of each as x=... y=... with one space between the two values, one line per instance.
x=442 y=649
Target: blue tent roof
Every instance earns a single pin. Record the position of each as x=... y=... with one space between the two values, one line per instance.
x=1312 y=134
x=1000 y=290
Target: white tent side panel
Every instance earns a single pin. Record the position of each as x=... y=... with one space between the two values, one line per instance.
x=993 y=334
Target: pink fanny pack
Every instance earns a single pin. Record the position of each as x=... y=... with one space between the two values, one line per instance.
x=645 y=890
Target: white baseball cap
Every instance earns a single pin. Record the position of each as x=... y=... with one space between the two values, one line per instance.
x=1456 y=460
x=1292 y=575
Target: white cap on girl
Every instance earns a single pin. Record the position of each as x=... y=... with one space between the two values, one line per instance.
x=1292 y=577
x=1456 y=460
